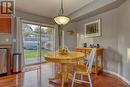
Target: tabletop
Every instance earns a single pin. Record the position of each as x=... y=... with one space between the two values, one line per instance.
x=57 y=57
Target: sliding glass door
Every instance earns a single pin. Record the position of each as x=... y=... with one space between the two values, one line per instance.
x=47 y=40
x=37 y=40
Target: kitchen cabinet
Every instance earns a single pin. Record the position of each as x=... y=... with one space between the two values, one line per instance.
x=5 y=25
x=5 y=22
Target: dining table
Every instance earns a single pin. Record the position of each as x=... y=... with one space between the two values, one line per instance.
x=64 y=60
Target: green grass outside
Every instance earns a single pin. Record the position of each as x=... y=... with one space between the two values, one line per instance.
x=33 y=53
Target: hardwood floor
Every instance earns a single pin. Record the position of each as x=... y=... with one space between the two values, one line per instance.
x=39 y=78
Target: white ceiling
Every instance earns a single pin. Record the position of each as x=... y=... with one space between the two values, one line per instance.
x=49 y=8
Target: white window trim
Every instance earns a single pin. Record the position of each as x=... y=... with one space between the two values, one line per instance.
x=37 y=23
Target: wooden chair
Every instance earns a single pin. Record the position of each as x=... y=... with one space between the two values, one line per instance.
x=84 y=69
x=83 y=60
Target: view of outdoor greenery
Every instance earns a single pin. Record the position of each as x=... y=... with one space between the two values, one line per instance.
x=33 y=53
x=35 y=38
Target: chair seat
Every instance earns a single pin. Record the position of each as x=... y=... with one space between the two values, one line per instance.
x=81 y=69
x=84 y=69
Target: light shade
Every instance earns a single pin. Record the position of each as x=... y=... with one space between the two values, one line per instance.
x=61 y=20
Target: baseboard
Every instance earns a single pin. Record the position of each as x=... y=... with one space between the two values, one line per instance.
x=118 y=75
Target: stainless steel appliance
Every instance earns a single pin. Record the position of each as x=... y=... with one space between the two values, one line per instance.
x=3 y=61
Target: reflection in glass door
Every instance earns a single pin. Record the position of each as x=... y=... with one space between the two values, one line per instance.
x=37 y=40
x=47 y=40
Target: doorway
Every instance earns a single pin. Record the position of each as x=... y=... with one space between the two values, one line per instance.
x=37 y=40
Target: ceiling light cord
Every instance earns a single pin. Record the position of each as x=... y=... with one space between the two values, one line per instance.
x=61 y=12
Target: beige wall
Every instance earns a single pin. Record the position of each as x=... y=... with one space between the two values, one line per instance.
x=32 y=17
x=70 y=40
x=124 y=37
x=115 y=38
x=108 y=40
x=5 y=39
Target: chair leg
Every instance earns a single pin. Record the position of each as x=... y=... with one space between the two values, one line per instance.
x=90 y=80
x=73 y=79
x=81 y=77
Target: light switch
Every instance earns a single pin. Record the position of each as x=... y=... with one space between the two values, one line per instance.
x=128 y=54
x=7 y=40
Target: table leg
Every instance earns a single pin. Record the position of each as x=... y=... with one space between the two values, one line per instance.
x=63 y=75
x=62 y=80
x=96 y=70
x=58 y=76
x=102 y=62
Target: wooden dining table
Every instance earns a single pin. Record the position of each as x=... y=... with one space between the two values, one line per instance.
x=56 y=57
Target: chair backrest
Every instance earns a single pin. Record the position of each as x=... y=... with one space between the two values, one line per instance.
x=91 y=59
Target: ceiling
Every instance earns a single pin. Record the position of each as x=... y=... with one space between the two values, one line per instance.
x=49 y=8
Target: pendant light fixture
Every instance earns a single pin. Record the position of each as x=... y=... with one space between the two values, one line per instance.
x=61 y=19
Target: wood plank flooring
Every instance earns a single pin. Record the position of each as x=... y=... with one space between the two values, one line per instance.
x=39 y=78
